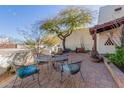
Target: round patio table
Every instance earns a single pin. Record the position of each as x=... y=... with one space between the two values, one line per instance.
x=52 y=60
x=49 y=58
x=43 y=58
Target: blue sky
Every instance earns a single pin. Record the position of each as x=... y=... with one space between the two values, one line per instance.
x=13 y=18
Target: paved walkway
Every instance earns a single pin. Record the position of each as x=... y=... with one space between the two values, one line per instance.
x=96 y=75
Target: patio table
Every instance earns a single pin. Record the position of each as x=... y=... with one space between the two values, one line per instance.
x=48 y=58
x=52 y=60
x=43 y=58
x=59 y=58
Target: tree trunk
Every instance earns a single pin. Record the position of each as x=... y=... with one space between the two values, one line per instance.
x=63 y=43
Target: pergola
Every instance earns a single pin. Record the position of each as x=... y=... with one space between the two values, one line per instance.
x=104 y=27
x=107 y=26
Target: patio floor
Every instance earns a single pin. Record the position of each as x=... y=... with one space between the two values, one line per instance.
x=96 y=75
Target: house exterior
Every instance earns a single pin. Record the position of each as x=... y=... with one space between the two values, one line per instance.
x=79 y=38
x=4 y=40
x=110 y=12
x=109 y=27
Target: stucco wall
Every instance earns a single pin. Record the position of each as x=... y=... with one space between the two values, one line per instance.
x=108 y=13
x=78 y=37
x=102 y=38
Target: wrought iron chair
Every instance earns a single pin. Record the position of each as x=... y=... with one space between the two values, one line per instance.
x=71 y=69
x=59 y=59
x=41 y=60
x=25 y=71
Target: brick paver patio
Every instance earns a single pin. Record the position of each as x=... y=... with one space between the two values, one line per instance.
x=96 y=75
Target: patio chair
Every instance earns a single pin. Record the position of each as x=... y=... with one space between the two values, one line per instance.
x=71 y=69
x=59 y=59
x=23 y=72
x=42 y=60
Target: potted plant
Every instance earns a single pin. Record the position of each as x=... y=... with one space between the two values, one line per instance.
x=81 y=49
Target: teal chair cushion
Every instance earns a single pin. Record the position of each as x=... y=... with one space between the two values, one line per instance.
x=71 y=68
x=27 y=71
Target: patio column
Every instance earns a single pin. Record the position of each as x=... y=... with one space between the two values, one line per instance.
x=122 y=37
x=94 y=52
x=95 y=41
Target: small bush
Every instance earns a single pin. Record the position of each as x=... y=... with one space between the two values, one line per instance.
x=11 y=70
x=118 y=57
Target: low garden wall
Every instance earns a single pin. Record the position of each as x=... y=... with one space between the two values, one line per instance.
x=5 y=61
x=116 y=73
x=8 y=46
x=2 y=70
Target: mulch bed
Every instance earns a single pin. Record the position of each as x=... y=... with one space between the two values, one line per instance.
x=120 y=67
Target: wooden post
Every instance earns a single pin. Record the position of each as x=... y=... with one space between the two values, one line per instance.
x=94 y=52
x=95 y=41
x=122 y=37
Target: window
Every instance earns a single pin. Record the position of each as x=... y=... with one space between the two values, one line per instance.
x=109 y=42
x=118 y=9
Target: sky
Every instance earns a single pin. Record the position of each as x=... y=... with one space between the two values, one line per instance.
x=19 y=17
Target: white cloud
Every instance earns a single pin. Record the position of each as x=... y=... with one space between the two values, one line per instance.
x=14 y=13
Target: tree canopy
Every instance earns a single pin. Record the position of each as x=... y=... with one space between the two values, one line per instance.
x=66 y=21
x=50 y=40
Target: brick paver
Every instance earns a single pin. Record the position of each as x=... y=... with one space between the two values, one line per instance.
x=96 y=75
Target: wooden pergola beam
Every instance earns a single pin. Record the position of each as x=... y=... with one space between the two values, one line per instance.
x=107 y=26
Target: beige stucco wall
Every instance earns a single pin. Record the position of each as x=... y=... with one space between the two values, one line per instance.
x=78 y=37
x=108 y=13
x=102 y=38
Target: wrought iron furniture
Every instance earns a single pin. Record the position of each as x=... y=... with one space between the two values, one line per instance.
x=51 y=61
x=71 y=68
x=42 y=60
x=58 y=60
x=25 y=71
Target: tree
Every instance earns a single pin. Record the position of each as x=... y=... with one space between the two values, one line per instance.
x=50 y=40
x=66 y=22
x=33 y=37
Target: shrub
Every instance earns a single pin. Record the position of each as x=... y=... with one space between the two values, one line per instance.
x=118 y=57
x=11 y=70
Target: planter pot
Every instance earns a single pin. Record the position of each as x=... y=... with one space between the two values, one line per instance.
x=80 y=50
x=97 y=59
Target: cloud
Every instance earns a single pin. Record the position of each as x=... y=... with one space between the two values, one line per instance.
x=14 y=13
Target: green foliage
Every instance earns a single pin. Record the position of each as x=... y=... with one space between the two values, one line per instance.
x=11 y=70
x=31 y=44
x=33 y=38
x=66 y=22
x=118 y=57
x=50 y=40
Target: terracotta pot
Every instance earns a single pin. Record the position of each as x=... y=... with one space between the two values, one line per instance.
x=80 y=50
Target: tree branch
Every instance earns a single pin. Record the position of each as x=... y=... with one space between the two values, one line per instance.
x=60 y=37
x=69 y=32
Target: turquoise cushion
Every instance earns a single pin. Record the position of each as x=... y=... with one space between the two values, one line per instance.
x=27 y=71
x=71 y=68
